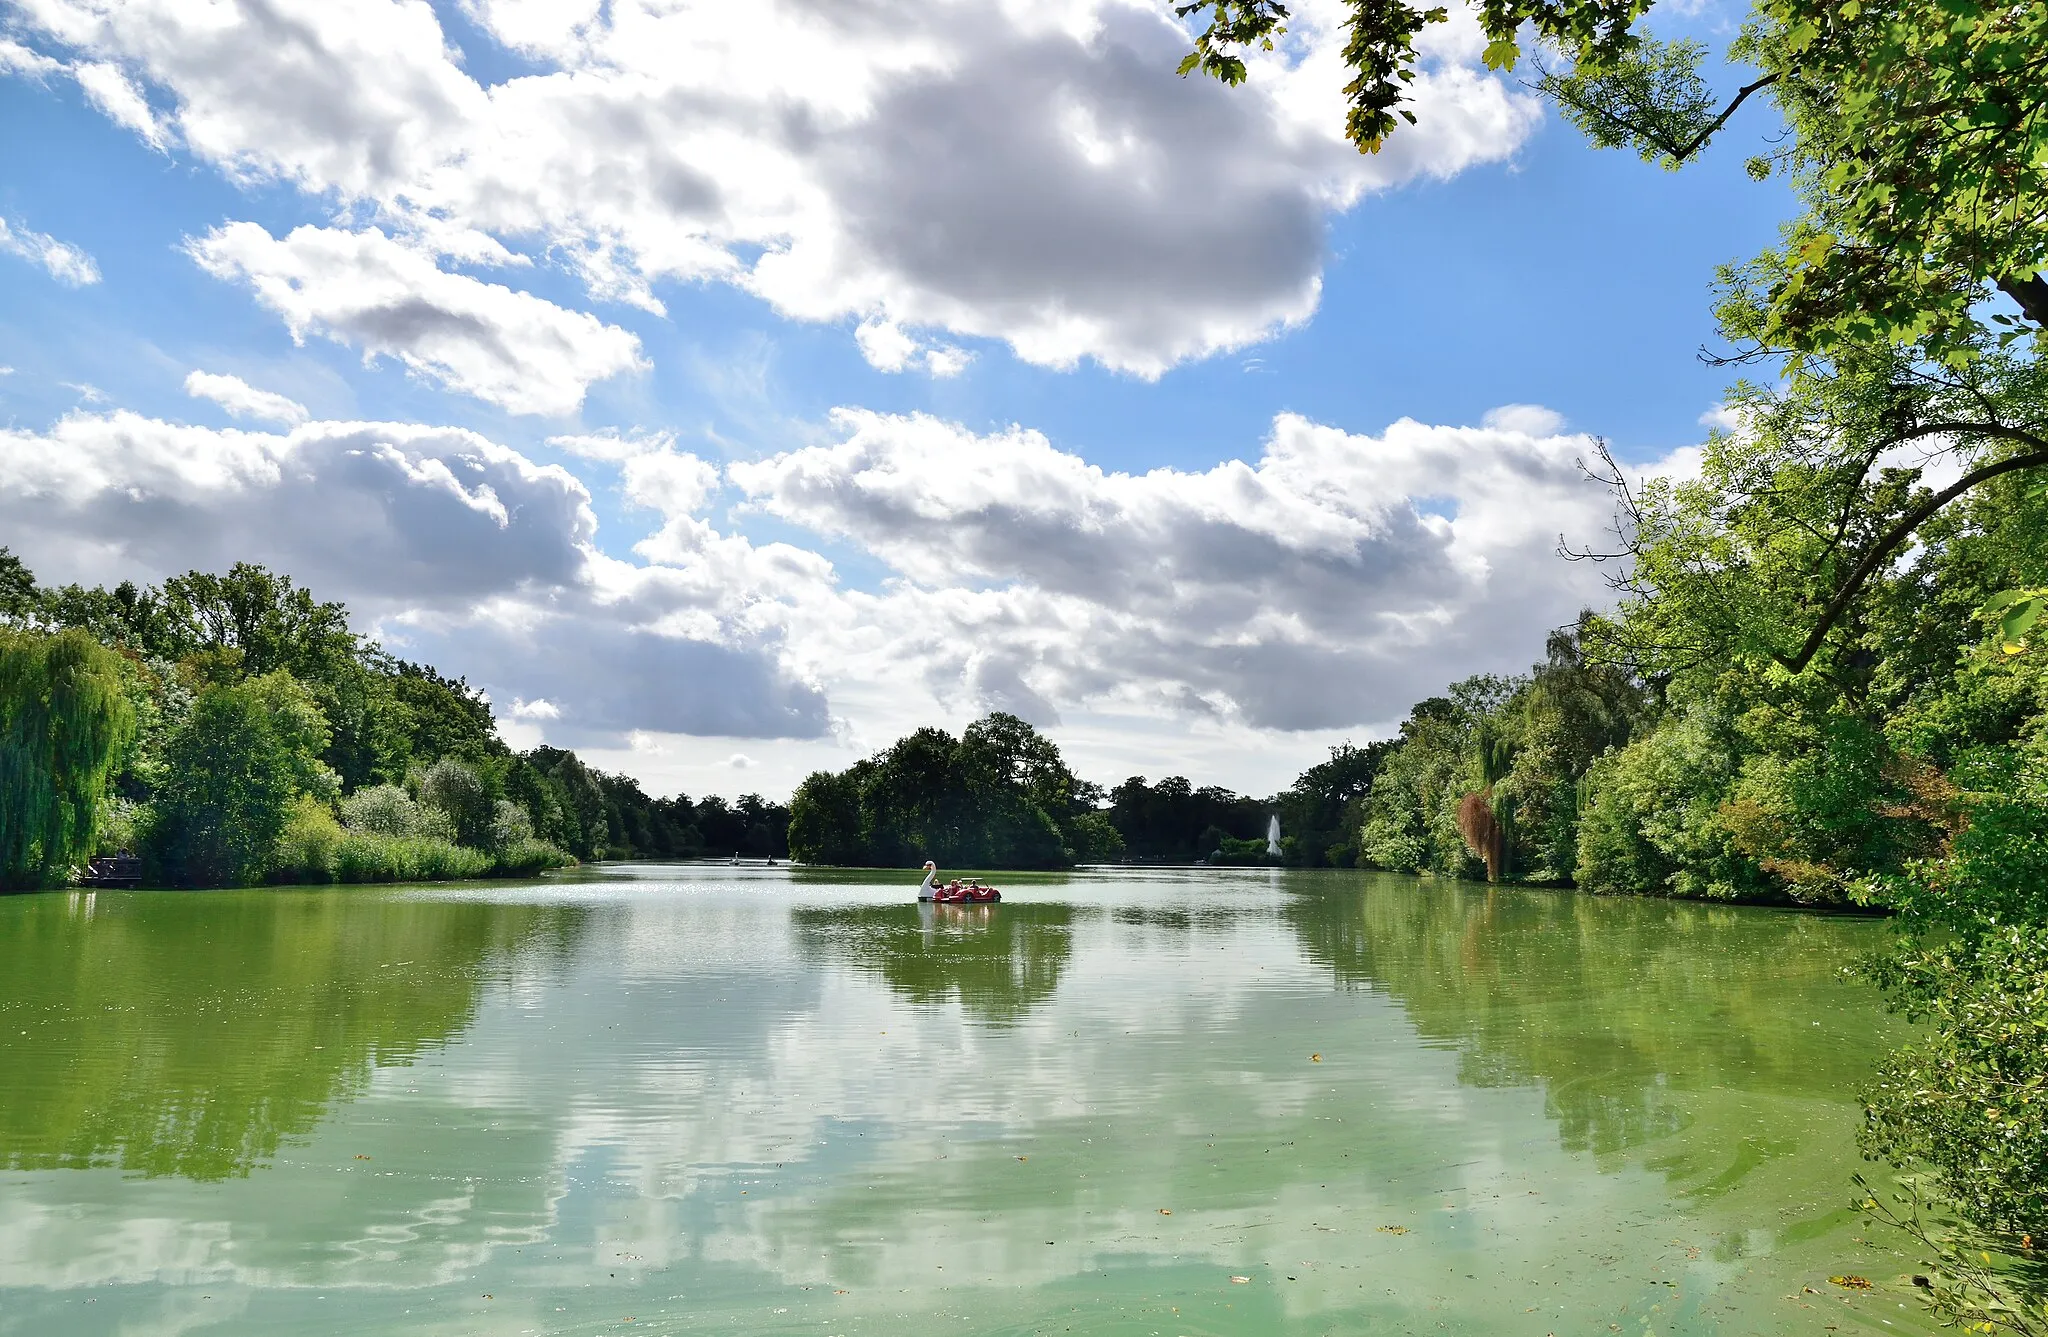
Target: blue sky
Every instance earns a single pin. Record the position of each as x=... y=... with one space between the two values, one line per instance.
x=758 y=587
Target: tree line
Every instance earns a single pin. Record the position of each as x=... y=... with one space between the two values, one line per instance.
x=1001 y=796
x=231 y=729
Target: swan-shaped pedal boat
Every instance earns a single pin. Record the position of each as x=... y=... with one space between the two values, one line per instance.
x=956 y=892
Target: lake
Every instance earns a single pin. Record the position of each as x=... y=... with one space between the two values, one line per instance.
x=683 y=1099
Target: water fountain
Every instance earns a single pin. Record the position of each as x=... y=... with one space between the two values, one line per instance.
x=1273 y=836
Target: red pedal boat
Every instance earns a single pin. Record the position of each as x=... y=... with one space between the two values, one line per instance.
x=956 y=892
x=963 y=893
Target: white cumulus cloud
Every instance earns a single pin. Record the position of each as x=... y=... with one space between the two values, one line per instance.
x=369 y=291
x=1327 y=584
x=1020 y=172
x=243 y=400
x=672 y=482
x=887 y=347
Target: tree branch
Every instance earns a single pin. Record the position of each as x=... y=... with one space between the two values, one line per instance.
x=1678 y=153
x=1911 y=521
x=1699 y=141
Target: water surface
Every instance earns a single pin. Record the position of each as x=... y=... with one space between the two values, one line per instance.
x=707 y=1099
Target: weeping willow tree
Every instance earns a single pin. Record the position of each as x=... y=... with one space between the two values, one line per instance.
x=64 y=720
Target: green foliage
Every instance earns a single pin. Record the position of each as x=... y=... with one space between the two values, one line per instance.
x=443 y=717
x=1522 y=746
x=750 y=825
x=1174 y=822
x=1243 y=853
x=1919 y=142
x=65 y=718
x=1761 y=597
x=583 y=819
x=1651 y=98
x=999 y=796
x=1236 y=25
x=378 y=859
x=2017 y=611
x=19 y=599
x=1320 y=813
x=454 y=790
x=529 y=857
x=384 y=836
x=825 y=819
x=1968 y=1099
x=1652 y=823
x=1965 y=1102
x=387 y=810
x=234 y=768
x=1093 y=838
x=308 y=844
x=373 y=734
x=511 y=827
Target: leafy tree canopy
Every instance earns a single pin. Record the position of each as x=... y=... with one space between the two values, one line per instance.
x=1000 y=795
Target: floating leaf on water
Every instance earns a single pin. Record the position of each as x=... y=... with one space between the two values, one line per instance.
x=1023 y=1158
x=1166 y=1211
x=1394 y=1230
x=1315 y=1058
x=1852 y=1281
x=1240 y=1281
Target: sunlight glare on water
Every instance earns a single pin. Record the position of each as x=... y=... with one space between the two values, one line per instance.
x=700 y=1098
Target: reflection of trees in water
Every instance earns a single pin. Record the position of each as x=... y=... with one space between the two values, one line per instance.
x=1613 y=1005
x=189 y=1034
x=999 y=960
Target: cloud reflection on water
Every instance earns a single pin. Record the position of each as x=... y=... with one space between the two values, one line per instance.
x=713 y=1095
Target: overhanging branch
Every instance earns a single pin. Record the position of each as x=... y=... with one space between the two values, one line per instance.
x=1699 y=141
x=1911 y=521
x=1676 y=151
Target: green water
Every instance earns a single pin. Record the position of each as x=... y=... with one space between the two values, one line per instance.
x=745 y=1100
